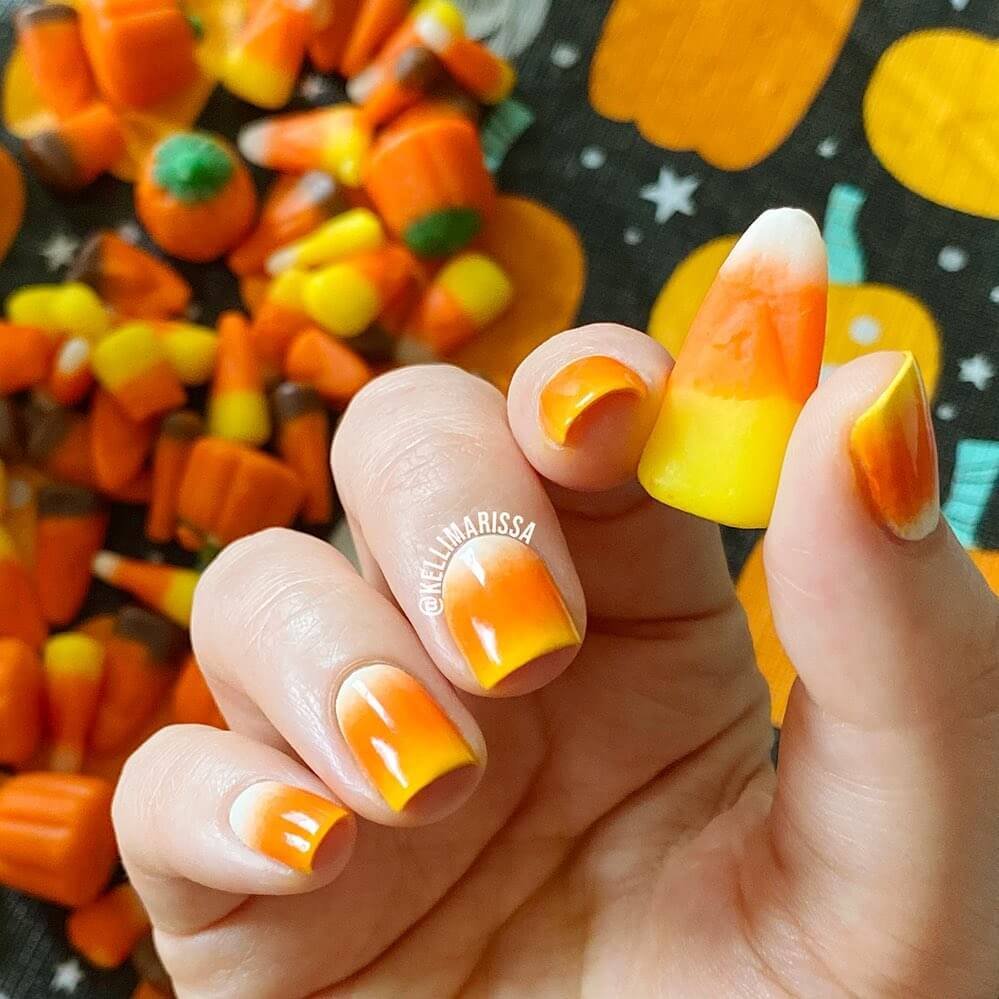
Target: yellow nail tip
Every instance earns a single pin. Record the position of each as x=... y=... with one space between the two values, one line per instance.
x=578 y=387
x=503 y=608
x=893 y=451
x=399 y=735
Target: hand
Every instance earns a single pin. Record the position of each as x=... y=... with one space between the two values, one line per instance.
x=628 y=836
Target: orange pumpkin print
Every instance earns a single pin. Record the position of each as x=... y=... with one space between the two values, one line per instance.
x=728 y=79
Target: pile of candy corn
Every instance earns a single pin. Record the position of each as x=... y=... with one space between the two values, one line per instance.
x=361 y=257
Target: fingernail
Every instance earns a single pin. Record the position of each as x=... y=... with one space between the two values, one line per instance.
x=284 y=823
x=894 y=453
x=398 y=733
x=578 y=387
x=503 y=608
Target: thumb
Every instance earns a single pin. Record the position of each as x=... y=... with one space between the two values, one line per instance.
x=881 y=846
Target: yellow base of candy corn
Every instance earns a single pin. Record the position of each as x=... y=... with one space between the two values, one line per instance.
x=718 y=458
x=341 y=300
x=191 y=351
x=257 y=82
x=241 y=417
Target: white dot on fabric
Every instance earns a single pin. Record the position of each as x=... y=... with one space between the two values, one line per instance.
x=865 y=330
x=593 y=157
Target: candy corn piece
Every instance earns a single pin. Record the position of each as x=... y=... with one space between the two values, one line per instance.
x=74 y=669
x=137 y=659
x=468 y=293
x=76 y=151
x=328 y=45
x=132 y=365
x=178 y=433
x=25 y=357
x=56 y=838
x=21 y=518
x=326 y=364
x=295 y=206
x=279 y=319
x=134 y=283
x=750 y=361
x=106 y=930
x=303 y=440
x=71 y=527
x=70 y=309
x=192 y=700
x=165 y=588
x=486 y=76
x=71 y=377
x=190 y=349
x=21 y=613
x=21 y=693
x=229 y=491
x=59 y=442
x=49 y=35
x=374 y=22
x=346 y=298
x=334 y=139
x=264 y=63
x=405 y=69
x=238 y=409
x=353 y=232
x=448 y=192
x=119 y=445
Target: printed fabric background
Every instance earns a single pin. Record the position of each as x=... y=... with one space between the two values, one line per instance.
x=663 y=128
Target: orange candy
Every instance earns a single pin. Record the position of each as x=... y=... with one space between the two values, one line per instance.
x=76 y=151
x=56 y=839
x=119 y=444
x=303 y=440
x=25 y=357
x=328 y=365
x=106 y=930
x=177 y=436
x=193 y=703
x=20 y=702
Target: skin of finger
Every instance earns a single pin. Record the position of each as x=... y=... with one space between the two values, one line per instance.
x=880 y=850
x=283 y=618
x=606 y=451
x=171 y=814
x=420 y=448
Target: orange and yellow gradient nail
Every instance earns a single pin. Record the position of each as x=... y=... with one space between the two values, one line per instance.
x=578 y=387
x=503 y=608
x=284 y=823
x=398 y=733
x=894 y=453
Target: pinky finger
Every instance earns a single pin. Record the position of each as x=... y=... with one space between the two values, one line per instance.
x=205 y=818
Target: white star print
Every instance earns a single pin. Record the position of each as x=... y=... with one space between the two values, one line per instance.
x=978 y=370
x=67 y=977
x=994 y=295
x=828 y=147
x=671 y=194
x=60 y=250
x=959 y=5
x=312 y=87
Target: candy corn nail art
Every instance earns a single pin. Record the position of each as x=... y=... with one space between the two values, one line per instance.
x=751 y=359
x=398 y=733
x=895 y=456
x=284 y=823
x=503 y=608
x=581 y=385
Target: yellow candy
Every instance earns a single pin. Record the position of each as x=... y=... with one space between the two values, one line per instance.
x=288 y=289
x=342 y=300
x=355 y=231
x=479 y=286
x=129 y=350
x=191 y=351
x=72 y=309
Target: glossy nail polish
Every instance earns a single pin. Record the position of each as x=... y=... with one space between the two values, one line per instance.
x=578 y=387
x=397 y=732
x=284 y=823
x=503 y=608
x=895 y=457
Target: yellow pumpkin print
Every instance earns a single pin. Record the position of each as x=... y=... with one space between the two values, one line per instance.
x=543 y=256
x=728 y=79
x=863 y=317
x=932 y=117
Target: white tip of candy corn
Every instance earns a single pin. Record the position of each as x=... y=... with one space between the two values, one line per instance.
x=281 y=260
x=105 y=565
x=74 y=354
x=785 y=236
x=252 y=141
